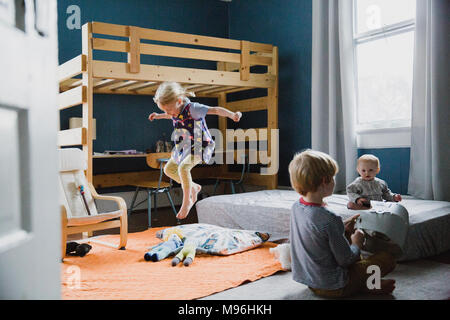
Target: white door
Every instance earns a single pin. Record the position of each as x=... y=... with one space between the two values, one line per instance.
x=29 y=214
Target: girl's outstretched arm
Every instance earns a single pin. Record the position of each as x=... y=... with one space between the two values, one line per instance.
x=156 y=116
x=222 y=112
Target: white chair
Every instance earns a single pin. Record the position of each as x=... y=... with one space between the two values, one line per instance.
x=79 y=212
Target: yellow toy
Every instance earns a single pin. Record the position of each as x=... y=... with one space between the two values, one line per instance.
x=171 y=231
x=187 y=254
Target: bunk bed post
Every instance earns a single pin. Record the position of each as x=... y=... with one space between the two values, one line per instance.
x=272 y=115
x=88 y=111
x=245 y=60
x=134 y=56
x=221 y=101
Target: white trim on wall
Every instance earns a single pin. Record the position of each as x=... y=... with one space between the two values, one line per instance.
x=384 y=138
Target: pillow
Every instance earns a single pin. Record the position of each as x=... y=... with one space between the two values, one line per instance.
x=217 y=240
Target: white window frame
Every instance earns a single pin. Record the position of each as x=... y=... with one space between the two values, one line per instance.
x=377 y=134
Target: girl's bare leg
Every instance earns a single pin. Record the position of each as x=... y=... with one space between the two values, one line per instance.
x=190 y=189
x=187 y=203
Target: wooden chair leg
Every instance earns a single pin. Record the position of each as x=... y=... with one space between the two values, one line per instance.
x=63 y=232
x=123 y=231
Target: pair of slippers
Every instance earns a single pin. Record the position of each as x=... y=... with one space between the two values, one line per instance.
x=76 y=249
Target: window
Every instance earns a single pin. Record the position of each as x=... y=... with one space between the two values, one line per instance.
x=383 y=33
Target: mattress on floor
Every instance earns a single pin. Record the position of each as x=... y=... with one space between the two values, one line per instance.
x=269 y=211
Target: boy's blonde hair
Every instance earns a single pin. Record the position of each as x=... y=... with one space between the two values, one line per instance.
x=309 y=169
x=168 y=92
x=369 y=158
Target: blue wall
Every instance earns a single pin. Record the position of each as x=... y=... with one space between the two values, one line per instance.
x=288 y=25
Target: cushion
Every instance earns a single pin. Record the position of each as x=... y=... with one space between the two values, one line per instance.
x=71 y=159
x=216 y=240
x=72 y=199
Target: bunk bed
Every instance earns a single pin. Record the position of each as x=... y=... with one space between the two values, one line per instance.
x=83 y=76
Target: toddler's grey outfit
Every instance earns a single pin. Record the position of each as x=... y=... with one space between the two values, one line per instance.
x=375 y=189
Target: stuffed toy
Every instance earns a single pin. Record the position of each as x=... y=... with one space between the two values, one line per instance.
x=164 y=249
x=176 y=231
x=187 y=254
x=174 y=242
x=282 y=253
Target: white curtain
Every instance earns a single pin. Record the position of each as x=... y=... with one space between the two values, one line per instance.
x=429 y=176
x=333 y=89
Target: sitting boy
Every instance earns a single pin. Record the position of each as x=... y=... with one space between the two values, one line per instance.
x=368 y=187
x=322 y=257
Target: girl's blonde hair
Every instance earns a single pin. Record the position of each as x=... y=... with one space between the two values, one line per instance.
x=168 y=92
x=309 y=169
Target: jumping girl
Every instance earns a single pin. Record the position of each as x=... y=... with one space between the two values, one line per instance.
x=193 y=141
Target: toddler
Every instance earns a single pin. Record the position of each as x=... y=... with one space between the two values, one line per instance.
x=322 y=257
x=368 y=187
x=193 y=141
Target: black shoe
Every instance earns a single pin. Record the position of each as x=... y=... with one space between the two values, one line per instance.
x=71 y=247
x=83 y=249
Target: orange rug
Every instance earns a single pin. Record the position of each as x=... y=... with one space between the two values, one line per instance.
x=108 y=273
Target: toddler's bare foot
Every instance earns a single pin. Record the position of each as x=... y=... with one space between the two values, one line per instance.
x=386 y=287
x=195 y=191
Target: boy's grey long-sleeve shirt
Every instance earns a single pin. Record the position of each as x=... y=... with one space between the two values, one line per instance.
x=320 y=253
x=375 y=189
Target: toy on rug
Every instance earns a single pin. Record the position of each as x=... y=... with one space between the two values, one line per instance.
x=174 y=241
x=164 y=249
x=187 y=254
x=200 y=238
x=282 y=253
